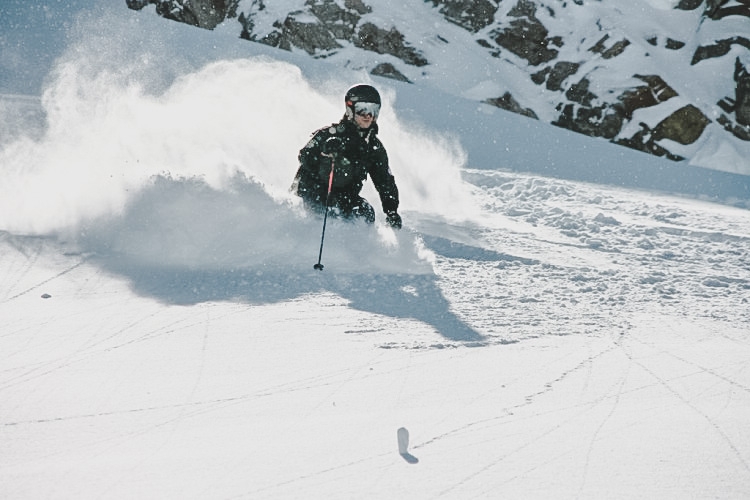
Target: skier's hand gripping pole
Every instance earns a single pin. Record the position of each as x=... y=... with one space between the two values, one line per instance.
x=319 y=266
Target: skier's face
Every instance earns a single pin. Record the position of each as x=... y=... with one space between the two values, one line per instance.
x=363 y=120
x=365 y=113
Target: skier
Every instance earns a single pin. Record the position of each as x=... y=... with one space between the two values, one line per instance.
x=351 y=147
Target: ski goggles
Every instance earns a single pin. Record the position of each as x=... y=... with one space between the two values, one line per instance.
x=367 y=108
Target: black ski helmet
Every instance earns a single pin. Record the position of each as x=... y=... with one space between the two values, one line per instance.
x=360 y=93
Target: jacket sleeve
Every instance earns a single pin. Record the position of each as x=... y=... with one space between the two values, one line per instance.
x=307 y=182
x=383 y=179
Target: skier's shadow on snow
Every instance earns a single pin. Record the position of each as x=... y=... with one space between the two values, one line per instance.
x=165 y=241
x=416 y=297
x=397 y=296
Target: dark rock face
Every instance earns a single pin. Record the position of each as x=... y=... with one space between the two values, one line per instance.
x=314 y=33
x=472 y=15
x=742 y=94
x=689 y=4
x=604 y=119
x=203 y=13
x=719 y=48
x=526 y=36
x=718 y=9
x=608 y=53
x=739 y=106
x=372 y=38
x=312 y=37
x=319 y=29
x=598 y=121
x=654 y=92
x=684 y=126
x=508 y=103
x=554 y=76
x=388 y=70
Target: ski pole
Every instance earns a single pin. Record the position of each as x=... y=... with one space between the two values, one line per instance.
x=319 y=266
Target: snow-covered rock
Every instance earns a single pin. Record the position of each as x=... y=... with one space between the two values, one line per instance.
x=655 y=75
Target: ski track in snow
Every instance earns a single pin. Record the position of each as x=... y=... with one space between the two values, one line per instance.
x=652 y=291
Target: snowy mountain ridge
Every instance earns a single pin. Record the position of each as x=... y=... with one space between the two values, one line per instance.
x=662 y=76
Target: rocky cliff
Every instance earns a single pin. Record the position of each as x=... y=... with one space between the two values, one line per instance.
x=654 y=75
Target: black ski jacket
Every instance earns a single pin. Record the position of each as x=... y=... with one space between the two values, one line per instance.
x=361 y=154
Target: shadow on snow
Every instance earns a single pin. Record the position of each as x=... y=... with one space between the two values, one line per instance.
x=397 y=296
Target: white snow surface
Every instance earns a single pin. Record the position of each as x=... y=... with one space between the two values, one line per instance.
x=559 y=317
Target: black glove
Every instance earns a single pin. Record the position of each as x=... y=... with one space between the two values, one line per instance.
x=333 y=146
x=393 y=219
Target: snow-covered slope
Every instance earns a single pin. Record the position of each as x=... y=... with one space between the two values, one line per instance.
x=580 y=342
x=540 y=327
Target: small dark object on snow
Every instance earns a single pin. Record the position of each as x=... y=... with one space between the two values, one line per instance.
x=46 y=296
x=403 y=446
